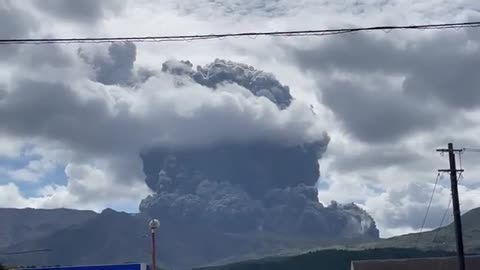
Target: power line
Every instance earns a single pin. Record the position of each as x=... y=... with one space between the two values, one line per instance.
x=25 y=252
x=428 y=208
x=443 y=220
x=297 y=33
x=471 y=149
x=460 y=161
x=460 y=177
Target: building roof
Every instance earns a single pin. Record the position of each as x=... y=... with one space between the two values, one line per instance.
x=440 y=263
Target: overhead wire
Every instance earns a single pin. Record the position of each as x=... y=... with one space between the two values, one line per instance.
x=442 y=222
x=460 y=177
x=428 y=208
x=460 y=160
x=471 y=149
x=177 y=38
x=25 y=252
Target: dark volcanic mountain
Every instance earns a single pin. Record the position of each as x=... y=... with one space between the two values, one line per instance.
x=18 y=225
x=116 y=237
x=113 y=237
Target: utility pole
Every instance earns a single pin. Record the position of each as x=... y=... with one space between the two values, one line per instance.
x=455 y=202
x=154 y=224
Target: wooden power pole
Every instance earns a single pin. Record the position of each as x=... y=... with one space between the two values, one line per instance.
x=455 y=202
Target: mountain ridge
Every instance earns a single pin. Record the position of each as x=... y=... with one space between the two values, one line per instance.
x=118 y=237
x=27 y=223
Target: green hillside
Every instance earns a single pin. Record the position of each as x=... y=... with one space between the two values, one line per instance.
x=327 y=259
x=442 y=238
x=439 y=242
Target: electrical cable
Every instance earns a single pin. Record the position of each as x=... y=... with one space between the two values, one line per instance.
x=176 y=38
x=428 y=208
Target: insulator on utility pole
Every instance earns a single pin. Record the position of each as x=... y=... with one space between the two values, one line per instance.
x=455 y=202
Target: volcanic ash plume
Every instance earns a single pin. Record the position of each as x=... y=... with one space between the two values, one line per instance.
x=250 y=185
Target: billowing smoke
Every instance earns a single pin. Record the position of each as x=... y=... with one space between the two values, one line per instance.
x=117 y=66
x=220 y=72
x=224 y=145
x=247 y=186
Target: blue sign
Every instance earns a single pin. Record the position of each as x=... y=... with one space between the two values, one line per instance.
x=127 y=266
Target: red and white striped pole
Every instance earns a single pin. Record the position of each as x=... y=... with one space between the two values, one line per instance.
x=154 y=224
